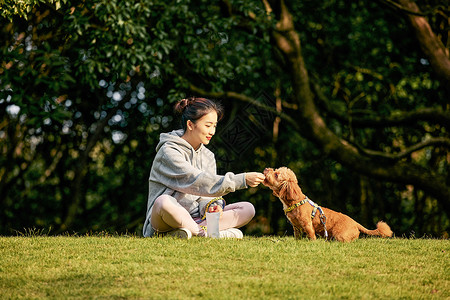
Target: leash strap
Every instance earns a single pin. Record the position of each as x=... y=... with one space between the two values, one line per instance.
x=323 y=218
x=211 y=202
x=313 y=213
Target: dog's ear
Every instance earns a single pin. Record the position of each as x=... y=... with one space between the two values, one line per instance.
x=282 y=192
x=289 y=190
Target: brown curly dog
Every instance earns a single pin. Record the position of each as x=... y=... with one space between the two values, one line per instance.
x=308 y=217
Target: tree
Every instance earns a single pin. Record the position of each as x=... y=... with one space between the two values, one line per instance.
x=344 y=133
x=348 y=150
x=355 y=96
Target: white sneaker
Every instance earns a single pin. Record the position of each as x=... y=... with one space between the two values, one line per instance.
x=233 y=233
x=181 y=233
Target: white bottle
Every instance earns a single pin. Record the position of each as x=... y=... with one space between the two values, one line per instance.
x=212 y=224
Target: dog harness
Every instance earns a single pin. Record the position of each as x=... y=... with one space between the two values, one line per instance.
x=323 y=218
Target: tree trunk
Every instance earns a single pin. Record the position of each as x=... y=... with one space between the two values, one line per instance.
x=430 y=44
x=81 y=171
x=313 y=126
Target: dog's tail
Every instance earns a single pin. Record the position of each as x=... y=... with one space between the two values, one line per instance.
x=382 y=230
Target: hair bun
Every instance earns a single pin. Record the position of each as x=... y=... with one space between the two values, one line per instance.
x=182 y=104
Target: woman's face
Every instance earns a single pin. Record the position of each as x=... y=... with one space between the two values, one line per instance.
x=204 y=128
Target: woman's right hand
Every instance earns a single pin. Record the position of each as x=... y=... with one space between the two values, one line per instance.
x=253 y=179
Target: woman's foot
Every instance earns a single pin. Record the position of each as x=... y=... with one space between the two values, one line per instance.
x=181 y=233
x=231 y=233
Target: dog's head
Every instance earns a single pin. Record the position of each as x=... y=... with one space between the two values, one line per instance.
x=283 y=183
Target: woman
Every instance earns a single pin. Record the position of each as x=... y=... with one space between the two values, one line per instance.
x=183 y=181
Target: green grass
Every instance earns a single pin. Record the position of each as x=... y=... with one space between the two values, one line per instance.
x=111 y=267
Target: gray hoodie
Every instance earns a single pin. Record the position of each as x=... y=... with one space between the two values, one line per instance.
x=188 y=175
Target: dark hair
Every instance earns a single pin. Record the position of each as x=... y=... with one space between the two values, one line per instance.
x=194 y=108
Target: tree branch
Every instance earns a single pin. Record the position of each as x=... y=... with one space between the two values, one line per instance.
x=427 y=143
x=403 y=9
x=430 y=44
x=243 y=98
x=432 y=115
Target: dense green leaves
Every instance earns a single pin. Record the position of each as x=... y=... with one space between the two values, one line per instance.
x=87 y=87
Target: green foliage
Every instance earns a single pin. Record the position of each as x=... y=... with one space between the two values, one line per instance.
x=87 y=87
x=11 y=8
x=253 y=268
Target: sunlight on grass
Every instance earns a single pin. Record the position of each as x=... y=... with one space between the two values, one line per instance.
x=256 y=268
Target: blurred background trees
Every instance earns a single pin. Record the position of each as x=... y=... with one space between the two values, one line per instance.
x=353 y=96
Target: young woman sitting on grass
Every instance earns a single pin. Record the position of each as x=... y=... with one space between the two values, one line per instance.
x=183 y=180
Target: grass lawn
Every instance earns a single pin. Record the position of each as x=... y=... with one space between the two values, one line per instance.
x=108 y=267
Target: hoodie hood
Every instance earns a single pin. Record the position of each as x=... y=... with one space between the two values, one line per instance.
x=197 y=158
x=175 y=138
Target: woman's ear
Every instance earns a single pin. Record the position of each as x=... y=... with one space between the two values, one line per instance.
x=190 y=125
